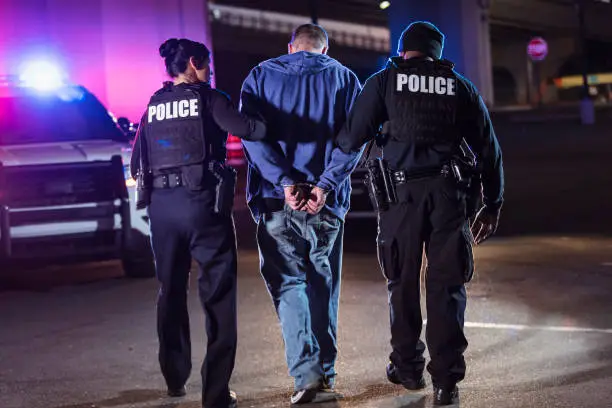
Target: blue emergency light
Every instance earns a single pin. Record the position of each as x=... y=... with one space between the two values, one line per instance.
x=42 y=75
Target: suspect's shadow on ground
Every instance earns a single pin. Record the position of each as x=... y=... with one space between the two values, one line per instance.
x=383 y=395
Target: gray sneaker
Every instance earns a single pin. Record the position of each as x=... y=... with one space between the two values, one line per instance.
x=304 y=396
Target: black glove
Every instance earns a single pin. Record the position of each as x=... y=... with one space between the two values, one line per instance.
x=484 y=225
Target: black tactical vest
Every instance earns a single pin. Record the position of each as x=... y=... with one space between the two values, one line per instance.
x=176 y=118
x=422 y=102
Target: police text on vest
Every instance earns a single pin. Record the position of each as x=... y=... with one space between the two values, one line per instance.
x=173 y=110
x=426 y=84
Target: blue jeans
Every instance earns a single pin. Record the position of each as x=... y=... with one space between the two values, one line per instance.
x=300 y=260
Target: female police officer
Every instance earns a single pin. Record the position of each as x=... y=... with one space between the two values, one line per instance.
x=180 y=146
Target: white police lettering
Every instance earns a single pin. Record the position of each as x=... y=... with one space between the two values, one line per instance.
x=402 y=79
x=183 y=111
x=193 y=107
x=413 y=83
x=173 y=110
x=426 y=84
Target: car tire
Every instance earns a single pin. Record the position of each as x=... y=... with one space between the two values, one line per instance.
x=137 y=257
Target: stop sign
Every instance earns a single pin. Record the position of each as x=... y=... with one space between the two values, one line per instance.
x=537 y=49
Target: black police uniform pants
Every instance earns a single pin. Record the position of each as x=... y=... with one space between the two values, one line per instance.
x=430 y=214
x=183 y=226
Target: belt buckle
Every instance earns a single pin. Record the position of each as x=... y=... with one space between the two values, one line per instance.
x=400 y=176
x=165 y=181
x=178 y=179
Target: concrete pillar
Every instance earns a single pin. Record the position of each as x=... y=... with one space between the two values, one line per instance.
x=466 y=26
x=109 y=46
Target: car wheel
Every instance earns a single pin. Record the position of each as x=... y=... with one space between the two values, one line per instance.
x=137 y=257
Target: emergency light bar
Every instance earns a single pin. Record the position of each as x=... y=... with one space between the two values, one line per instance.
x=42 y=75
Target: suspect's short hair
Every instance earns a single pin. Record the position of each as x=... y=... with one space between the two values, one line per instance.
x=313 y=34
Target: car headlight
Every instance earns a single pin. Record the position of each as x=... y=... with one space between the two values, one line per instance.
x=129 y=181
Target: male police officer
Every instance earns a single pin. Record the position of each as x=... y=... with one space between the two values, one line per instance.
x=181 y=142
x=431 y=109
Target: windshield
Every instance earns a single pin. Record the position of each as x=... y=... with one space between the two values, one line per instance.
x=68 y=115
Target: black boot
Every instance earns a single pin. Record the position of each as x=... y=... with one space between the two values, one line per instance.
x=177 y=392
x=444 y=396
x=412 y=384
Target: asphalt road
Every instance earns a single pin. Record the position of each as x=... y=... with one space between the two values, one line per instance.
x=539 y=327
x=539 y=317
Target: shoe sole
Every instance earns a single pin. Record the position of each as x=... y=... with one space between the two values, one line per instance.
x=304 y=397
x=324 y=396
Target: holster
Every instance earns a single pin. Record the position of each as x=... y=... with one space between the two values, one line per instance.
x=381 y=188
x=225 y=188
x=458 y=173
x=144 y=185
x=468 y=178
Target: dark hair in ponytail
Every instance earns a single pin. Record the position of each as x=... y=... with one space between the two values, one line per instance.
x=176 y=53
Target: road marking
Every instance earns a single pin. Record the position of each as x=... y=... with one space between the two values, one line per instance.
x=503 y=326
x=543 y=328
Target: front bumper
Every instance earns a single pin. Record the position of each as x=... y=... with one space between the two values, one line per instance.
x=59 y=210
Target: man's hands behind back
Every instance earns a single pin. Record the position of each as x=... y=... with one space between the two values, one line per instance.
x=316 y=200
x=304 y=197
x=296 y=197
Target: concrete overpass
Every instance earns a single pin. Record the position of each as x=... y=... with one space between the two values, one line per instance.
x=488 y=43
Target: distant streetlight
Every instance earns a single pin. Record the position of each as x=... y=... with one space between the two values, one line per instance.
x=384 y=5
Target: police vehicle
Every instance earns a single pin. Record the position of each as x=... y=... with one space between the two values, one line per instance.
x=65 y=189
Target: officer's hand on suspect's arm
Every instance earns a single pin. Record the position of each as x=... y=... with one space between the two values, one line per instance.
x=316 y=200
x=296 y=197
x=484 y=225
x=227 y=116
